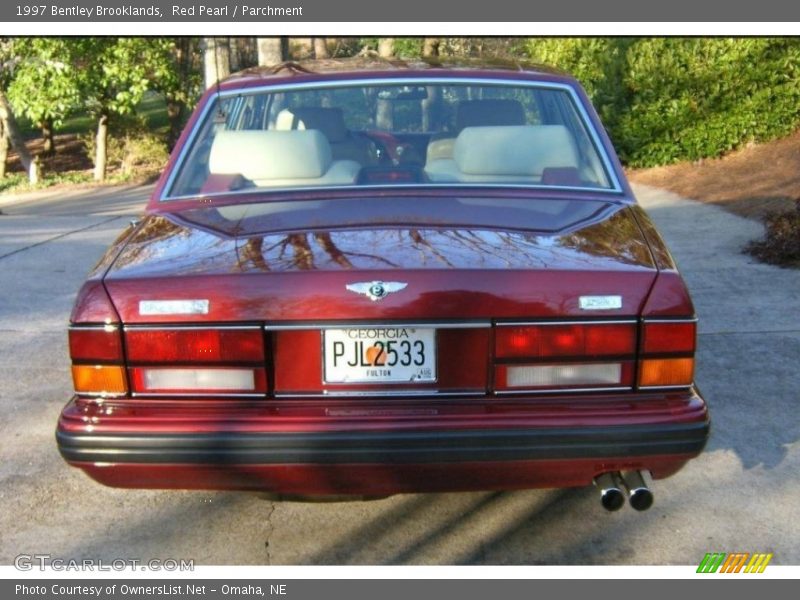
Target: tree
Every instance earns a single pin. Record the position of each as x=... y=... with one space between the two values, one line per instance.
x=3 y=150
x=44 y=87
x=272 y=51
x=430 y=47
x=321 y=48
x=431 y=105
x=113 y=75
x=386 y=47
x=179 y=79
x=216 y=59
x=11 y=132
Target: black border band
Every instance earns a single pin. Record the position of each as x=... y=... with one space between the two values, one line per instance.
x=387 y=447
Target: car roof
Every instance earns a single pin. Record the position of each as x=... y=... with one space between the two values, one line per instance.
x=373 y=67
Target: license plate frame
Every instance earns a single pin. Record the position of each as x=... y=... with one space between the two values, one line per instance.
x=421 y=370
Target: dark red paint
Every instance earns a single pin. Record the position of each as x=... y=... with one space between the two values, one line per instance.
x=480 y=256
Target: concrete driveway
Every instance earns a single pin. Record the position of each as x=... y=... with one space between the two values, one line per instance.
x=741 y=495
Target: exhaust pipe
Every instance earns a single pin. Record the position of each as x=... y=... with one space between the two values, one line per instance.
x=639 y=495
x=611 y=494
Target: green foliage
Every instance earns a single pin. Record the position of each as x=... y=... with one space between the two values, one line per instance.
x=403 y=47
x=44 y=84
x=461 y=47
x=18 y=182
x=114 y=73
x=669 y=99
x=172 y=69
x=598 y=63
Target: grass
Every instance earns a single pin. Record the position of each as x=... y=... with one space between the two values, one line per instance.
x=17 y=183
x=70 y=165
x=152 y=108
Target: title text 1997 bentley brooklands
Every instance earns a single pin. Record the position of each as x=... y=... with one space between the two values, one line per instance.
x=371 y=277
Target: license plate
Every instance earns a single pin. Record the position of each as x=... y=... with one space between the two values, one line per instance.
x=380 y=355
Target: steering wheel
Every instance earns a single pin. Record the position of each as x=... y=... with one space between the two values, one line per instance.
x=390 y=150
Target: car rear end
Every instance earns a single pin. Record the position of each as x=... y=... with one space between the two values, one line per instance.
x=287 y=379
x=410 y=281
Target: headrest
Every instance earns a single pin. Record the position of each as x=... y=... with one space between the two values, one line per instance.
x=481 y=113
x=259 y=155
x=330 y=121
x=516 y=150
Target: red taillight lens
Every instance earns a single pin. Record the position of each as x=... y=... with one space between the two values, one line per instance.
x=671 y=338
x=96 y=343
x=664 y=337
x=96 y=352
x=195 y=345
x=562 y=340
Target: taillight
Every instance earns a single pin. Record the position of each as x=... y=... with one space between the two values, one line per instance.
x=667 y=353
x=666 y=372
x=559 y=340
x=99 y=380
x=218 y=345
x=95 y=343
x=564 y=356
x=217 y=380
x=669 y=337
x=564 y=376
x=196 y=360
x=96 y=352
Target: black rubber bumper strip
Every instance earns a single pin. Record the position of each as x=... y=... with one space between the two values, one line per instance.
x=386 y=447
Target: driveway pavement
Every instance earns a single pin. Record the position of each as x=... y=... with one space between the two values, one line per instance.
x=94 y=200
x=741 y=495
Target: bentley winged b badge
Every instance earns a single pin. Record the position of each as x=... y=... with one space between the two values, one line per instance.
x=375 y=290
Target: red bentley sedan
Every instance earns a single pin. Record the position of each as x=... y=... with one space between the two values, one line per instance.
x=371 y=277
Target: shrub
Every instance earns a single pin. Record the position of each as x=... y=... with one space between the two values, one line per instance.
x=664 y=100
x=131 y=147
x=781 y=243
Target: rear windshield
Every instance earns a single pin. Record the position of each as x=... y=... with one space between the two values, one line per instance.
x=426 y=133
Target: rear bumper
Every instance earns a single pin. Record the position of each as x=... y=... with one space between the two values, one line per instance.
x=521 y=444
x=387 y=447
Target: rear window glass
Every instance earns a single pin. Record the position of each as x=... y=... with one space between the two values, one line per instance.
x=420 y=133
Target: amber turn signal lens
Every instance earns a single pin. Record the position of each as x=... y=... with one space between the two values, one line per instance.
x=666 y=372
x=99 y=380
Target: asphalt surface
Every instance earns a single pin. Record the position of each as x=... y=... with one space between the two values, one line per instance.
x=741 y=495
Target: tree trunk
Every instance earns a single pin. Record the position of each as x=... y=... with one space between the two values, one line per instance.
x=430 y=109
x=3 y=150
x=384 y=116
x=299 y=48
x=176 y=103
x=430 y=47
x=49 y=145
x=270 y=51
x=101 y=150
x=12 y=133
x=321 y=48
x=175 y=112
x=216 y=60
x=385 y=47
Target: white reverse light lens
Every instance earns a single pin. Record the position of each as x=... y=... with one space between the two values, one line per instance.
x=199 y=379
x=563 y=375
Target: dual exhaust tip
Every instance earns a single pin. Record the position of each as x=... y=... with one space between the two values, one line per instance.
x=614 y=486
